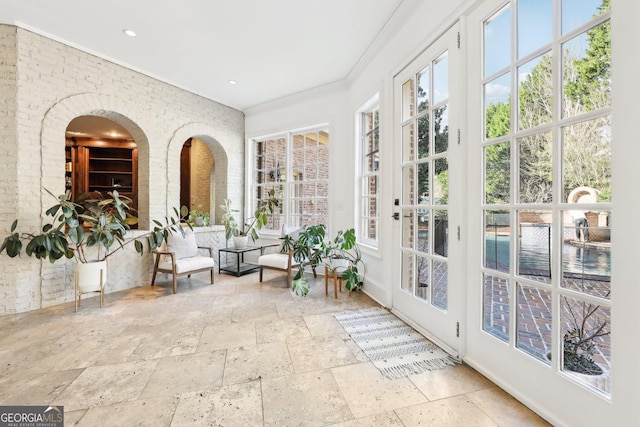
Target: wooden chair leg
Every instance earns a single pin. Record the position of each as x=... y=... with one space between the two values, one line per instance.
x=212 y=275
x=155 y=270
x=335 y=284
x=175 y=284
x=261 y=273
x=326 y=280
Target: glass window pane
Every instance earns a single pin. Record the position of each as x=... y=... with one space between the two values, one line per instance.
x=408 y=226
x=578 y=12
x=441 y=78
x=534 y=245
x=497 y=106
x=440 y=289
x=497 y=167
x=408 y=189
x=407 y=100
x=586 y=251
x=423 y=181
x=535 y=25
x=423 y=90
x=497 y=41
x=441 y=233
x=372 y=185
x=495 y=303
x=441 y=128
x=408 y=147
x=586 y=160
x=408 y=262
x=534 y=161
x=497 y=243
x=533 y=322
x=441 y=181
x=422 y=290
x=586 y=336
x=586 y=71
x=535 y=92
x=423 y=137
x=422 y=244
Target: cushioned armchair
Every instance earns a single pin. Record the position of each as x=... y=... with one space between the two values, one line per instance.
x=180 y=256
x=281 y=261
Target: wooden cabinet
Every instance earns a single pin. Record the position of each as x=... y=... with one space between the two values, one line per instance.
x=102 y=165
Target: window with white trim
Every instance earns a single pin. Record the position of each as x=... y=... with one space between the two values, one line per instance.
x=295 y=165
x=369 y=188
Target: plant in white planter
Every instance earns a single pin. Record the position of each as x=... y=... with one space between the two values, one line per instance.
x=95 y=221
x=252 y=226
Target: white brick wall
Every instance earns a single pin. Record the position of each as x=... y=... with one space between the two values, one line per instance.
x=43 y=86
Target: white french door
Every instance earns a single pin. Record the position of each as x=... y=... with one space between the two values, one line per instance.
x=428 y=159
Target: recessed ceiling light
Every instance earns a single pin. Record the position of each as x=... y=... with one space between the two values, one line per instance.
x=130 y=33
x=233 y=82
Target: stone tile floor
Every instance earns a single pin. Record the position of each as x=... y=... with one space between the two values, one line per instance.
x=236 y=353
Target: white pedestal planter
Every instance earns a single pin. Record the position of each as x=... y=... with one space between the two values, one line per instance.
x=90 y=277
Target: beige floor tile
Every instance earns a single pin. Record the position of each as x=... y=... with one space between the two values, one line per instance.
x=453 y=412
x=255 y=312
x=282 y=330
x=368 y=392
x=385 y=419
x=249 y=363
x=323 y=324
x=450 y=381
x=232 y=405
x=100 y=352
x=504 y=409
x=234 y=300
x=106 y=385
x=227 y=335
x=156 y=412
x=307 y=399
x=172 y=342
x=35 y=389
x=320 y=353
x=178 y=374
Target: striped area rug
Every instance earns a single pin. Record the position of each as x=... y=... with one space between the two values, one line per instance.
x=395 y=348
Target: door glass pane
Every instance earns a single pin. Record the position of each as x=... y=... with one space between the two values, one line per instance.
x=535 y=92
x=586 y=252
x=408 y=147
x=495 y=304
x=533 y=322
x=441 y=233
x=535 y=25
x=534 y=245
x=534 y=160
x=586 y=336
x=408 y=191
x=440 y=279
x=423 y=90
x=407 y=100
x=423 y=181
x=422 y=290
x=441 y=78
x=441 y=128
x=586 y=74
x=423 y=137
x=423 y=231
x=408 y=226
x=407 y=271
x=497 y=243
x=497 y=173
x=497 y=41
x=586 y=161
x=441 y=181
x=497 y=106
x=578 y=12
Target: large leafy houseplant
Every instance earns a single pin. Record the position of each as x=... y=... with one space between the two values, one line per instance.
x=313 y=245
x=94 y=220
x=252 y=226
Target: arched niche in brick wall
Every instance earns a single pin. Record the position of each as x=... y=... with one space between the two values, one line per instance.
x=52 y=138
x=219 y=173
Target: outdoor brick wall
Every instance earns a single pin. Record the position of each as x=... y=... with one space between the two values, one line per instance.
x=44 y=85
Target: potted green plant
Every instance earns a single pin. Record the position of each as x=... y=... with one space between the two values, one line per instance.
x=199 y=218
x=95 y=221
x=241 y=231
x=340 y=253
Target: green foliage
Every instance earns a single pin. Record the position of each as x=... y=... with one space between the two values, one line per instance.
x=204 y=215
x=254 y=224
x=93 y=220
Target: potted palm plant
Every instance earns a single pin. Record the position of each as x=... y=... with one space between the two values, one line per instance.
x=241 y=231
x=91 y=229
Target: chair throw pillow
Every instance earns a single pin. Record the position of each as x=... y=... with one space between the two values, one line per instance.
x=183 y=247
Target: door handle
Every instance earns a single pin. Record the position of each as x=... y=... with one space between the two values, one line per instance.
x=396 y=216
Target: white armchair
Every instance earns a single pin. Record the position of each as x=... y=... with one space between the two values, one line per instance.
x=281 y=261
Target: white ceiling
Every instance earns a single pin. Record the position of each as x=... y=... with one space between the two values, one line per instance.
x=272 y=48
